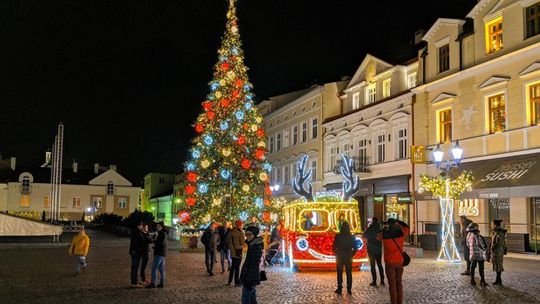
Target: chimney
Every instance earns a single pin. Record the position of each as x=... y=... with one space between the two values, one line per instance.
x=13 y=163
x=96 y=168
x=112 y=167
x=418 y=36
x=75 y=166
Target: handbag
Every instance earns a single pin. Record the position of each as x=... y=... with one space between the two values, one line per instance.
x=262 y=273
x=406 y=257
x=263 y=276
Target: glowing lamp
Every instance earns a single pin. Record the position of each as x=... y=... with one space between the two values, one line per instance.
x=191 y=177
x=207 y=105
x=88 y=209
x=239 y=115
x=245 y=164
x=248 y=105
x=190 y=189
x=259 y=202
x=224 y=66
x=225 y=174
x=190 y=201
x=457 y=152
x=438 y=155
x=196 y=153
x=208 y=140
x=241 y=140
x=199 y=128
x=223 y=125
x=210 y=115
x=225 y=102
x=203 y=188
x=260 y=133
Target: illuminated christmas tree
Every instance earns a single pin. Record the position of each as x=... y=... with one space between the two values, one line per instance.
x=227 y=176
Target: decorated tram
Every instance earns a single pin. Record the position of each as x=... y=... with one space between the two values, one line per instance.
x=312 y=222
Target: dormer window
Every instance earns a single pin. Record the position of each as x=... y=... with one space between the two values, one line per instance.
x=371 y=90
x=494 y=35
x=25 y=185
x=356 y=101
x=444 y=58
x=533 y=20
x=110 y=188
x=387 y=87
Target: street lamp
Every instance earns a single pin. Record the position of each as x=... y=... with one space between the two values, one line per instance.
x=274 y=188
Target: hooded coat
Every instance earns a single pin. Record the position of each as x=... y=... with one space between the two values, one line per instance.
x=477 y=246
x=235 y=241
x=498 y=248
x=344 y=245
x=251 y=271
x=374 y=245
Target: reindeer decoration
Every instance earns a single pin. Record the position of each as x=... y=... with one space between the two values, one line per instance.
x=302 y=178
x=351 y=184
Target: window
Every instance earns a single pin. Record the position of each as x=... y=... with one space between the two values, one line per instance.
x=122 y=203
x=445 y=125
x=304 y=131
x=46 y=202
x=76 y=202
x=161 y=180
x=533 y=20
x=286 y=173
x=402 y=143
x=97 y=202
x=444 y=58
x=314 y=126
x=25 y=184
x=356 y=101
x=286 y=138
x=494 y=35
x=534 y=103
x=271 y=144
x=497 y=113
x=371 y=91
x=313 y=170
x=411 y=80
x=25 y=200
x=278 y=141
x=381 y=148
x=362 y=150
x=278 y=176
x=387 y=87
x=346 y=149
x=295 y=135
x=333 y=156
x=110 y=188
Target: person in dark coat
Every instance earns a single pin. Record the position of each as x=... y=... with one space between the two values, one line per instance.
x=478 y=252
x=223 y=247
x=137 y=247
x=498 y=249
x=160 y=248
x=374 y=248
x=344 y=247
x=465 y=222
x=250 y=275
x=210 y=239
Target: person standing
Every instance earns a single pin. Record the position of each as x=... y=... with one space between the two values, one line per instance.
x=498 y=249
x=137 y=246
x=223 y=247
x=210 y=240
x=478 y=252
x=344 y=247
x=160 y=249
x=393 y=238
x=374 y=248
x=145 y=253
x=465 y=222
x=79 y=248
x=235 y=242
x=251 y=270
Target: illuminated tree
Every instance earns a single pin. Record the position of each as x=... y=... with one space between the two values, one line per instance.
x=227 y=176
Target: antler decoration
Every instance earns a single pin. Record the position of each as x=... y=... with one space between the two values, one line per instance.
x=302 y=178
x=351 y=185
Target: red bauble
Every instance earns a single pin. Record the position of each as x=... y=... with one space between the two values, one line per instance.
x=225 y=102
x=225 y=66
x=190 y=189
x=235 y=94
x=210 y=115
x=266 y=202
x=241 y=140
x=245 y=163
x=190 y=201
x=207 y=105
x=267 y=190
x=260 y=133
x=238 y=83
x=183 y=217
x=266 y=216
x=259 y=154
x=199 y=128
x=191 y=177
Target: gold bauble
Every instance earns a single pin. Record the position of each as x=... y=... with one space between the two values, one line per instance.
x=261 y=144
x=205 y=163
x=226 y=152
x=218 y=94
x=245 y=188
x=222 y=82
x=263 y=176
x=254 y=128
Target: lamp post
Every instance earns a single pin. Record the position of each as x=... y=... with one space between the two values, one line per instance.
x=449 y=251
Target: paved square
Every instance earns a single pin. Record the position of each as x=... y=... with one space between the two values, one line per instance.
x=32 y=275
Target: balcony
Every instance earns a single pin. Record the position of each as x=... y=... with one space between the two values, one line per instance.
x=360 y=165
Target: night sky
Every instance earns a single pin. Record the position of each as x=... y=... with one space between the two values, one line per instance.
x=127 y=77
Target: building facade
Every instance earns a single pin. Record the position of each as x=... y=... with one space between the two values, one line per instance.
x=374 y=130
x=293 y=125
x=158 y=195
x=485 y=93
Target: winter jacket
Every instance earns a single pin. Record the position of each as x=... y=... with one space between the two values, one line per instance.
x=392 y=254
x=344 y=246
x=235 y=241
x=464 y=231
x=498 y=245
x=79 y=245
x=160 y=244
x=251 y=271
x=137 y=244
x=223 y=234
x=148 y=240
x=374 y=245
x=477 y=246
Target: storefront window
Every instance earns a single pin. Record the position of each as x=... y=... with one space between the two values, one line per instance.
x=396 y=209
x=499 y=209
x=534 y=229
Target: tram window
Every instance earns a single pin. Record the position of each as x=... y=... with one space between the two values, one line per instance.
x=314 y=220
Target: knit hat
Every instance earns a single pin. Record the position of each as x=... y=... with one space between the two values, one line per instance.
x=238 y=224
x=473 y=227
x=253 y=229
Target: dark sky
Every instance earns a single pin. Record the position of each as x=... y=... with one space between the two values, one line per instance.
x=127 y=77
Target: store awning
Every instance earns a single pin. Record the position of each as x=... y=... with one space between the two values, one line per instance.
x=517 y=176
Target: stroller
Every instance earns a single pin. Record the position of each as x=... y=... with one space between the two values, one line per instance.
x=273 y=254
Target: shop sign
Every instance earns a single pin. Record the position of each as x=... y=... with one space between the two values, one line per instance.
x=468 y=207
x=501 y=203
x=509 y=171
x=378 y=199
x=418 y=154
x=404 y=199
x=336 y=192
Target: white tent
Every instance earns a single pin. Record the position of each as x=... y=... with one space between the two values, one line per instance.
x=16 y=226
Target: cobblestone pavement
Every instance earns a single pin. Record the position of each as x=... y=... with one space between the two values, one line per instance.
x=46 y=276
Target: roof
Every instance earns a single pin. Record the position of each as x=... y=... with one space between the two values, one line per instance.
x=441 y=21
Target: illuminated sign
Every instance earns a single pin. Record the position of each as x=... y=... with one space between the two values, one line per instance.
x=404 y=199
x=468 y=207
x=378 y=199
x=418 y=154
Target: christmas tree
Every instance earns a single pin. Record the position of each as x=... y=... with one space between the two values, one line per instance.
x=227 y=176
